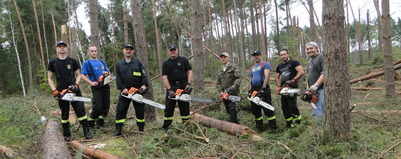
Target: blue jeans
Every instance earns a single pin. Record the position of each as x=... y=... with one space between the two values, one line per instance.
x=318 y=113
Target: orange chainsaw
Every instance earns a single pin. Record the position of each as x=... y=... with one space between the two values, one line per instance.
x=255 y=98
x=225 y=95
x=135 y=95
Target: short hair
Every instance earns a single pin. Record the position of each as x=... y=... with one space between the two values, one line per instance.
x=286 y=50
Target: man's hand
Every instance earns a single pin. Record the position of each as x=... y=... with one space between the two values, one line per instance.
x=264 y=90
x=56 y=93
x=188 y=88
x=279 y=90
x=105 y=73
x=290 y=82
x=143 y=90
x=94 y=83
x=314 y=87
x=170 y=93
x=73 y=87
x=125 y=91
x=250 y=93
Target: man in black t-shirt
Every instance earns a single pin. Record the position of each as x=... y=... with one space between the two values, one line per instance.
x=67 y=71
x=290 y=71
x=177 y=74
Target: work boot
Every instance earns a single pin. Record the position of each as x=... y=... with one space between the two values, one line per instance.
x=233 y=114
x=273 y=126
x=118 y=129
x=92 y=126
x=289 y=124
x=100 y=122
x=259 y=125
x=166 y=124
x=85 y=127
x=66 y=132
x=141 y=126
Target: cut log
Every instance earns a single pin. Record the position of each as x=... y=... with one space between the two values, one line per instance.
x=372 y=75
x=53 y=142
x=6 y=151
x=385 y=112
x=365 y=88
x=93 y=152
x=225 y=126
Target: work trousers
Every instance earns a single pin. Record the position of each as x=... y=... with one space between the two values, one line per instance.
x=101 y=101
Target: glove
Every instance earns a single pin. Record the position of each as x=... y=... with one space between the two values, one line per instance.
x=171 y=93
x=264 y=90
x=188 y=88
x=250 y=93
x=290 y=82
x=279 y=90
x=314 y=88
x=73 y=87
x=143 y=90
x=56 y=93
x=231 y=90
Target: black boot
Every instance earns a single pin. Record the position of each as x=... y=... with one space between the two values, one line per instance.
x=166 y=124
x=259 y=125
x=118 y=129
x=92 y=126
x=273 y=126
x=85 y=127
x=100 y=122
x=66 y=132
x=141 y=126
x=233 y=114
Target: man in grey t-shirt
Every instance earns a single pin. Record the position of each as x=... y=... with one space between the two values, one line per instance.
x=315 y=78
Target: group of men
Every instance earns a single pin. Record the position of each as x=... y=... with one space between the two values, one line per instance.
x=176 y=74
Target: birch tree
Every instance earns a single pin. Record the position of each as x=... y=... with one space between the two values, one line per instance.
x=18 y=60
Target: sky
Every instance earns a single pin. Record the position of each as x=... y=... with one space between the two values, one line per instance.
x=297 y=9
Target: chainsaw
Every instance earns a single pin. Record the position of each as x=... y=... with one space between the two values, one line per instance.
x=68 y=95
x=288 y=91
x=134 y=94
x=226 y=96
x=258 y=101
x=182 y=95
x=310 y=97
x=105 y=79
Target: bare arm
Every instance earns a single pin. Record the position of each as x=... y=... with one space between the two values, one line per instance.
x=166 y=82
x=87 y=80
x=50 y=80
x=277 y=79
x=300 y=72
x=320 y=80
x=190 y=76
x=267 y=76
x=77 y=76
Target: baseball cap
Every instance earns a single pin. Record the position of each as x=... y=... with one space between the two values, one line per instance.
x=225 y=54
x=61 y=43
x=256 y=53
x=128 y=46
x=311 y=43
x=172 y=47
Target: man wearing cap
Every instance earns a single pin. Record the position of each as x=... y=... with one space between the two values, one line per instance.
x=315 y=79
x=67 y=74
x=92 y=69
x=130 y=73
x=259 y=75
x=177 y=74
x=287 y=75
x=228 y=78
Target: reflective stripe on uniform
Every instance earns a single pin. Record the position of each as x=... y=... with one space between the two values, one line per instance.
x=168 y=118
x=185 y=117
x=271 y=118
x=100 y=117
x=289 y=119
x=259 y=118
x=65 y=121
x=83 y=118
x=90 y=119
x=297 y=117
x=140 y=120
x=120 y=121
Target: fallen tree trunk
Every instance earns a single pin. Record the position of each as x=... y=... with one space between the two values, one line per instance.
x=53 y=142
x=372 y=75
x=385 y=112
x=6 y=151
x=225 y=126
x=93 y=152
x=72 y=117
x=365 y=88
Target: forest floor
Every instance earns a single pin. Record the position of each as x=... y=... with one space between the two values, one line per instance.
x=373 y=134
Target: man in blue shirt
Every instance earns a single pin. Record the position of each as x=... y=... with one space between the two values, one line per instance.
x=94 y=68
x=259 y=75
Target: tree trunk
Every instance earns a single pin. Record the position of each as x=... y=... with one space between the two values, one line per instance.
x=125 y=12
x=93 y=152
x=158 y=43
x=312 y=22
x=94 y=23
x=26 y=46
x=336 y=83
x=140 y=41
x=18 y=59
x=277 y=28
x=359 y=37
x=78 y=37
x=374 y=74
x=379 y=26
x=196 y=29
x=39 y=37
x=54 y=29
x=44 y=33
x=226 y=28
x=53 y=142
x=263 y=26
x=368 y=35
x=253 y=20
x=388 y=55
x=241 y=40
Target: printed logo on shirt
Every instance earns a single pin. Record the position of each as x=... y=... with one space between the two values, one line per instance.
x=179 y=64
x=137 y=73
x=69 y=66
x=103 y=67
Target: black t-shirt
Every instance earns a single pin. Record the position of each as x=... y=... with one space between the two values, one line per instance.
x=176 y=69
x=64 y=71
x=287 y=70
